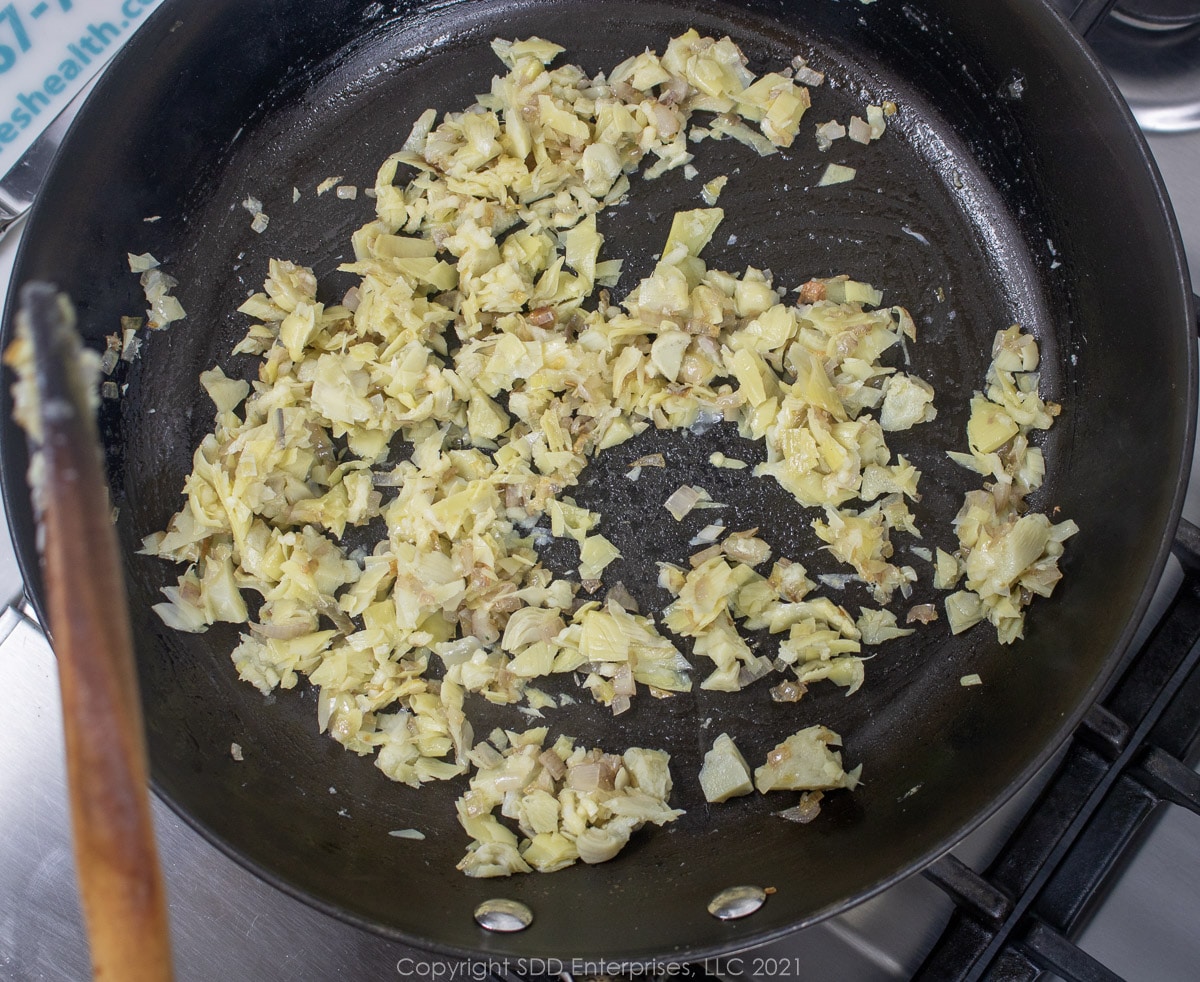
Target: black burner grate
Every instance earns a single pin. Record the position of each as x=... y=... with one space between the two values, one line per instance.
x=1013 y=921
x=1159 y=15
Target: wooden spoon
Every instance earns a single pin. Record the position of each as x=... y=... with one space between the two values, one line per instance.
x=120 y=883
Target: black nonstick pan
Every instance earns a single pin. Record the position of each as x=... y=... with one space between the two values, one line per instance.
x=1011 y=187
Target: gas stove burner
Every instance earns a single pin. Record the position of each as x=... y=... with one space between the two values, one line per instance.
x=1158 y=15
x=1152 y=50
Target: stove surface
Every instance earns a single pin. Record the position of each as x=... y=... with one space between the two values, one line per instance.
x=228 y=924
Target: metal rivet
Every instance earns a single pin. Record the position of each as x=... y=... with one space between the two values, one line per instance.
x=735 y=902
x=503 y=915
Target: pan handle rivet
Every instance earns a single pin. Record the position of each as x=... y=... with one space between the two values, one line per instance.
x=503 y=915
x=735 y=902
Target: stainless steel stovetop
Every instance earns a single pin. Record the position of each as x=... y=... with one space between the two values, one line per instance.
x=229 y=925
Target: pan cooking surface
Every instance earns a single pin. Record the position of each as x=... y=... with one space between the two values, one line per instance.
x=939 y=217
x=776 y=218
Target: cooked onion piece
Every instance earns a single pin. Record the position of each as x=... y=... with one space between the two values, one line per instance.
x=806 y=811
x=683 y=499
x=712 y=190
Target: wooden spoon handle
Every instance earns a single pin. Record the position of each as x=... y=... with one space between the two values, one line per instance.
x=119 y=878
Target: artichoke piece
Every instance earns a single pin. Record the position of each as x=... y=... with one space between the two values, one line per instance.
x=1013 y=351
x=946 y=571
x=836 y=174
x=595 y=556
x=711 y=191
x=723 y=126
x=650 y=770
x=989 y=427
x=1008 y=556
x=491 y=859
x=511 y=52
x=842 y=289
x=863 y=540
x=805 y=762
x=690 y=232
x=599 y=844
x=572 y=804
x=878 y=626
x=999 y=559
x=907 y=401
x=548 y=852
x=667 y=353
x=226 y=393
x=725 y=773
x=964 y=610
x=846 y=671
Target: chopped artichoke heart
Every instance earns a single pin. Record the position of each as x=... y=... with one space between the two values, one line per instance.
x=907 y=401
x=568 y=803
x=725 y=773
x=684 y=499
x=989 y=427
x=842 y=289
x=691 y=232
x=837 y=174
x=805 y=762
x=963 y=610
x=946 y=571
x=878 y=626
x=863 y=541
x=595 y=555
x=1008 y=554
x=476 y=336
x=226 y=393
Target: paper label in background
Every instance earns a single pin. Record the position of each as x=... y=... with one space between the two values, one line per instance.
x=49 y=49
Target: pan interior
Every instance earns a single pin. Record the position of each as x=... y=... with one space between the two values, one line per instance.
x=941 y=216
